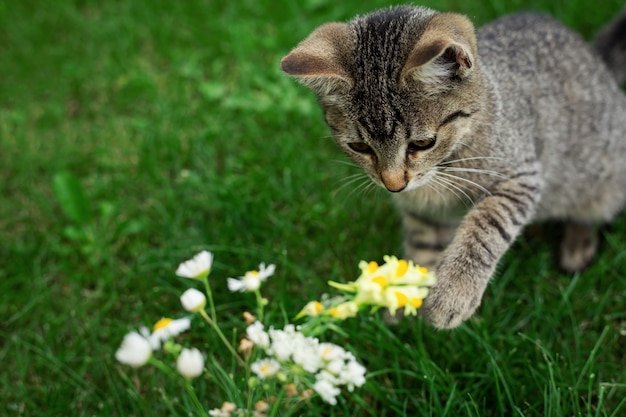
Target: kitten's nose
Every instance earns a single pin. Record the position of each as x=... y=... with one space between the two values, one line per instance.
x=394 y=182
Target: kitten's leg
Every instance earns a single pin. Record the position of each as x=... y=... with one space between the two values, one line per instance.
x=425 y=239
x=578 y=247
x=483 y=237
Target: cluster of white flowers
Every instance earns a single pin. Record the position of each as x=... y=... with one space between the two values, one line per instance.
x=331 y=365
x=302 y=364
x=137 y=347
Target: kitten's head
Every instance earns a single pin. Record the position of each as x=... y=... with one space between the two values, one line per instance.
x=398 y=88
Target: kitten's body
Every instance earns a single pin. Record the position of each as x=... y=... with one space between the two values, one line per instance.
x=476 y=137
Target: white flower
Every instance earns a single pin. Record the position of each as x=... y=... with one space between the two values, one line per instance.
x=282 y=342
x=165 y=329
x=193 y=300
x=196 y=268
x=134 y=351
x=327 y=376
x=252 y=280
x=257 y=335
x=335 y=367
x=265 y=368
x=305 y=353
x=190 y=363
x=326 y=390
x=330 y=352
x=352 y=375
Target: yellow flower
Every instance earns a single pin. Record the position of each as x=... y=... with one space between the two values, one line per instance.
x=404 y=296
x=344 y=310
x=396 y=284
x=311 y=309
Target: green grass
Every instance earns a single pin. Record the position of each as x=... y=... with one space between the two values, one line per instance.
x=175 y=121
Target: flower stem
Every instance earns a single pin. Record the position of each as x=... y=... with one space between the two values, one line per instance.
x=194 y=397
x=260 y=303
x=162 y=367
x=223 y=338
x=209 y=295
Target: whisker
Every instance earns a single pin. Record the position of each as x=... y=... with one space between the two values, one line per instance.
x=366 y=189
x=360 y=187
x=433 y=185
x=455 y=186
x=448 y=189
x=344 y=162
x=351 y=180
x=473 y=183
x=472 y=158
x=476 y=171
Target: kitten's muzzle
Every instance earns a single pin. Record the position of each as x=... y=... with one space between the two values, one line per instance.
x=394 y=182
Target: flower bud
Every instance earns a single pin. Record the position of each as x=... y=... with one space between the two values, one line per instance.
x=248 y=318
x=193 y=300
x=245 y=347
x=190 y=363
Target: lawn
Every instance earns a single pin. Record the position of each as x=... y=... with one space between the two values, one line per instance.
x=134 y=134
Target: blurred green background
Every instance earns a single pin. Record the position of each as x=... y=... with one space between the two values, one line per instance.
x=135 y=133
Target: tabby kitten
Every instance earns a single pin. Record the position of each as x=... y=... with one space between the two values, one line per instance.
x=475 y=134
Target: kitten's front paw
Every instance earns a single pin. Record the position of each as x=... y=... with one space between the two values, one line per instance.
x=452 y=300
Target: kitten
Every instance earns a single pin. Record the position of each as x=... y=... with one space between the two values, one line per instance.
x=475 y=134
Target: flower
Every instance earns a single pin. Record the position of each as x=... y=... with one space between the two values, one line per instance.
x=196 y=268
x=344 y=310
x=352 y=375
x=216 y=412
x=407 y=297
x=258 y=335
x=330 y=352
x=311 y=309
x=167 y=328
x=190 y=363
x=248 y=318
x=283 y=342
x=245 y=347
x=193 y=300
x=135 y=350
x=260 y=407
x=225 y=411
x=327 y=390
x=251 y=281
x=395 y=284
x=265 y=368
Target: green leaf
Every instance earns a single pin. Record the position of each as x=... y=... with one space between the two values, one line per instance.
x=70 y=195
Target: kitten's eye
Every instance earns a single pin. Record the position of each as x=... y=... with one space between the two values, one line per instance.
x=360 y=147
x=421 y=145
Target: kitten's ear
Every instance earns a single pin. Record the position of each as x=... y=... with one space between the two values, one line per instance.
x=445 y=51
x=317 y=60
